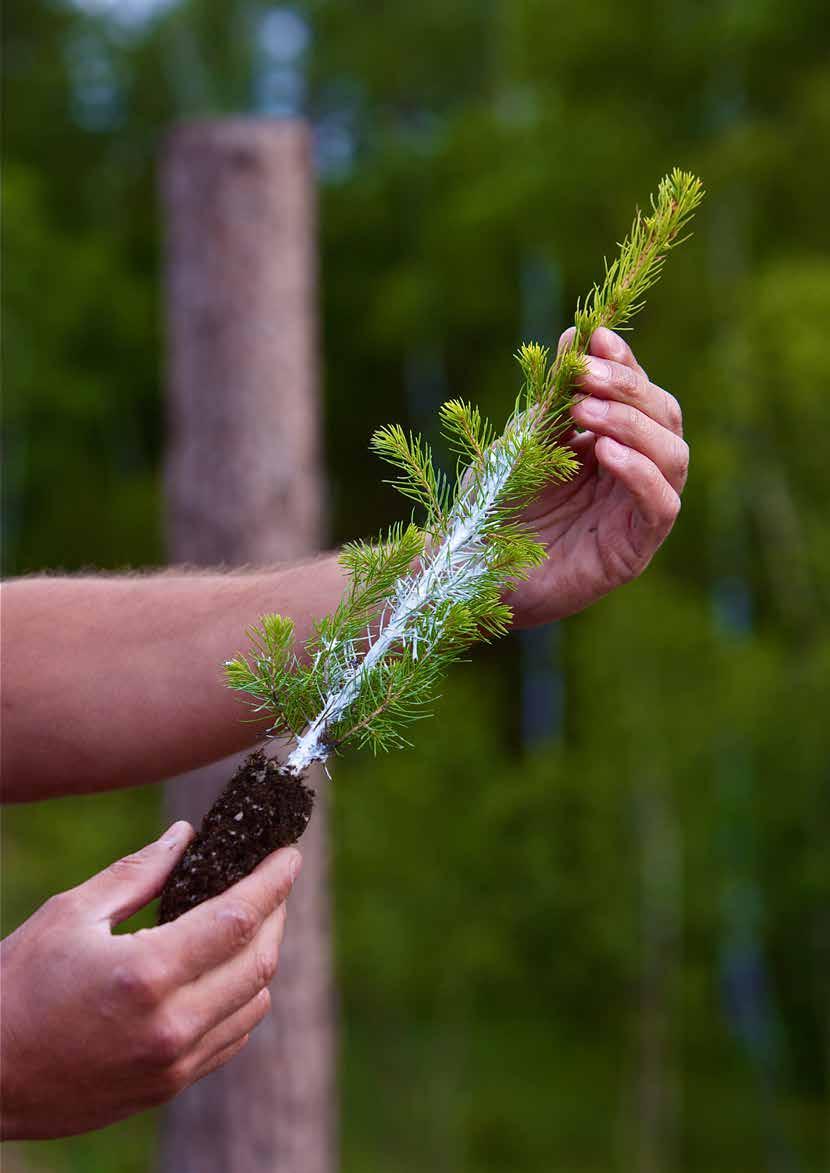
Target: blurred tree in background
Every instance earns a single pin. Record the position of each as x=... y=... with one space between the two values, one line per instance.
x=585 y=924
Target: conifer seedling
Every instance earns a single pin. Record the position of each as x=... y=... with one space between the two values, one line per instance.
x=422 y=594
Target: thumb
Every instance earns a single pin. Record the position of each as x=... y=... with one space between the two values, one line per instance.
x=128 y=884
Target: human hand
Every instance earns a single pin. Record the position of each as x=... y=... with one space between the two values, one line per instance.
x=96 y=1027
x=603 y=527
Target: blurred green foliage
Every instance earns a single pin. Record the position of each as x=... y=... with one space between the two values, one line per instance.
x=608 y=948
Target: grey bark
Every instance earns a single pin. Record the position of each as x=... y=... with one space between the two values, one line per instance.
x=244 y=486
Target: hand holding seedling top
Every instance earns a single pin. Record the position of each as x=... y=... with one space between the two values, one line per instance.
x=423 y=594
x=604 y=525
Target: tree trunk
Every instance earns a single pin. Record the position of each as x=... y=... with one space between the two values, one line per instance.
x=657 y=1113
x=244 y=486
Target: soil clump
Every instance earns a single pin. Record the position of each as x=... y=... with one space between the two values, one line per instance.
x=259 y=811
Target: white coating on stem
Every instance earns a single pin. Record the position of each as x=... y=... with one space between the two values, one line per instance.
x=450 y=572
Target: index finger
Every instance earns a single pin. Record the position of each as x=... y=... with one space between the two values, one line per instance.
x=215 y=930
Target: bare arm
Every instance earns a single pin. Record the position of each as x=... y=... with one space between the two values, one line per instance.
x=116 y=681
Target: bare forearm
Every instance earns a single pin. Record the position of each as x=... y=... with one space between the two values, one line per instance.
x=111 y=682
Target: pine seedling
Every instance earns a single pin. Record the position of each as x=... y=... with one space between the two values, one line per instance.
x=425 y=591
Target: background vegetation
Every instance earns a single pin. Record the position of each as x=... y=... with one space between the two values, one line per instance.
x=585 y=925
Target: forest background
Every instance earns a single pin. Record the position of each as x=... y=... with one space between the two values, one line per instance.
x=585 y=923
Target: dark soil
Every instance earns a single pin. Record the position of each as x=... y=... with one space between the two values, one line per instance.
x=259 y=810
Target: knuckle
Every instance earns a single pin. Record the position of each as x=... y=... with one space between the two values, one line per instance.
x=682 y=458
x=62 y=904
x=266 y=967
x=126 y=867
x=674 y=413
x=166 y=1040
x=138 y=983
x=626 y=379
x=639 y=425
x=241 y=919
x=283 y=891
x=623 y=563
x=655 y=481
x=671 y=506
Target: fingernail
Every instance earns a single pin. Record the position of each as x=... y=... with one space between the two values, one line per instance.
x=598 y=369
x=594 y=408
x=294 y=865
x=175 y=833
